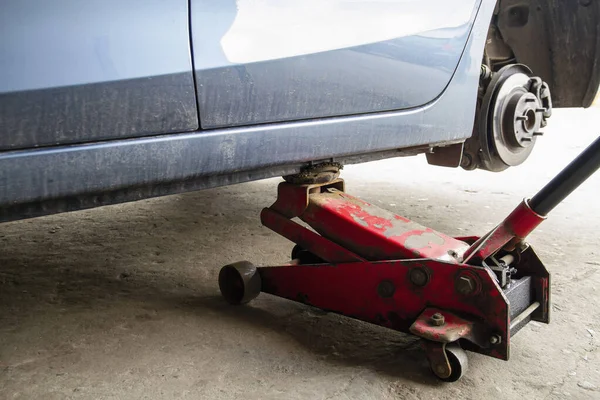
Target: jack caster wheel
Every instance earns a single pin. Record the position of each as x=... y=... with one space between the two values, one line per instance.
x=305 y=256
x=239 y=282
x=458 y=361
x=448 y=362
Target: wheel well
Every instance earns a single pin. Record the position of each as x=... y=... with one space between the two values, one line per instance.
x=559 y=40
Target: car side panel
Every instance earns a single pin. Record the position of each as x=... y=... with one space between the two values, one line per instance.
x=43 y=181
x=272 y=61
x=79 y=71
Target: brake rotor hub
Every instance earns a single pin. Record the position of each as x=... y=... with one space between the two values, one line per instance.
x=522 y=120
x=514 y=108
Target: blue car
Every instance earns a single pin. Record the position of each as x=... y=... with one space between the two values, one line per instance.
x=117 y=100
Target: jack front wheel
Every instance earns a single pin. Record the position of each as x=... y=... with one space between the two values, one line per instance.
x=239 y=282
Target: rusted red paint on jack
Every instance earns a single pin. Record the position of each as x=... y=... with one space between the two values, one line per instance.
x=292 y=199
x=519 y=223
x=374 y=233
x=307 y=239
x=346 y=208
x=452 y=329
x=351 y=289
x=372 y=254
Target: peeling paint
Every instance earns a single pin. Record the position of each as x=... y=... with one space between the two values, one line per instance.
x=359 y=220
x=375 y=233
x=425 y=239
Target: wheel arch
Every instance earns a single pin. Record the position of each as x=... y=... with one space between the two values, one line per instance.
x=559 y=40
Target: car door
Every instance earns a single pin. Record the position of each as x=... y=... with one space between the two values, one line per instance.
x=76 y=71
x=261 y=61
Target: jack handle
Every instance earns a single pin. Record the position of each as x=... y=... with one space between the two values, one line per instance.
x=530 y=213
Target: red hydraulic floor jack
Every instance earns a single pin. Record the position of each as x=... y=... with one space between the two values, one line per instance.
x=367 y=263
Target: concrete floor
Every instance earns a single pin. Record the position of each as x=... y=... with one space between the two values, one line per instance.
x=121 y=302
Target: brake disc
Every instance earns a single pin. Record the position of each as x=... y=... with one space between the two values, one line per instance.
x=514 y=108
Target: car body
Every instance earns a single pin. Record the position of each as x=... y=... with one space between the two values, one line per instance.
x=117 y=100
